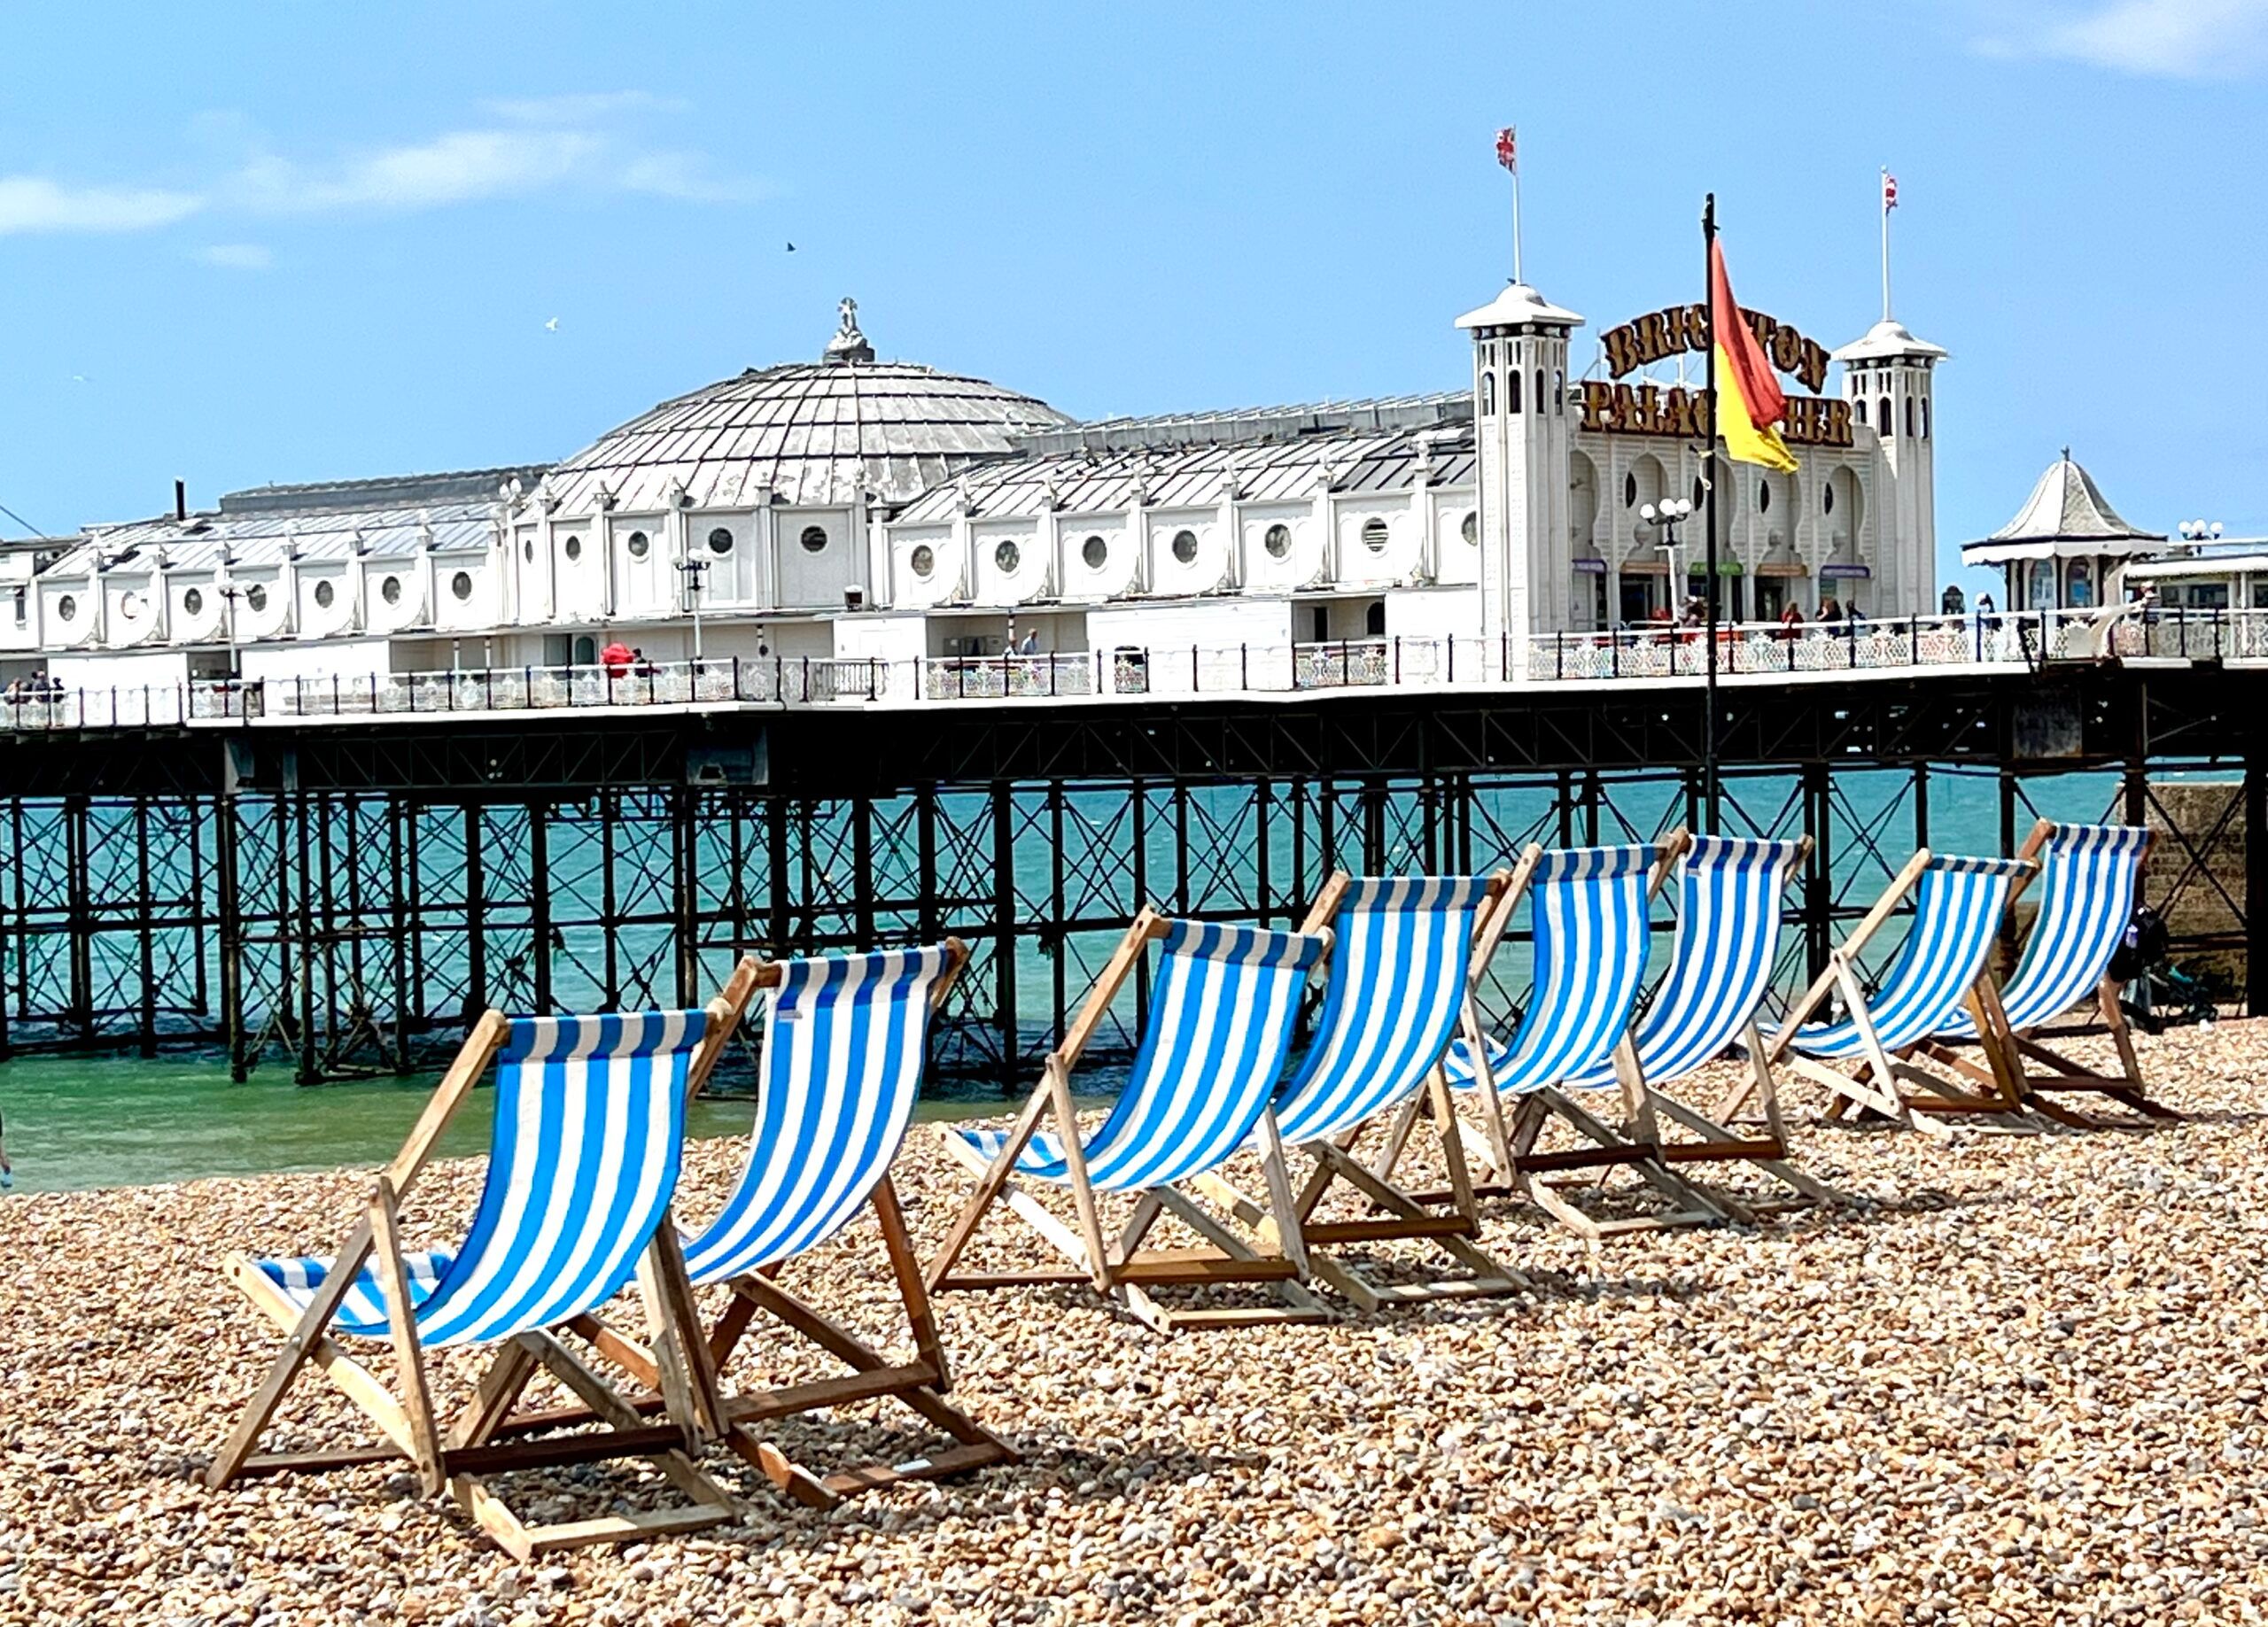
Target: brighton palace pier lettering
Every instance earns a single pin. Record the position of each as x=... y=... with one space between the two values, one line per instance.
x=1672 y=410
x=1655 y=409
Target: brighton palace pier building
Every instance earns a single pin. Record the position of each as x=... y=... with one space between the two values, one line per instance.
x=851 y=509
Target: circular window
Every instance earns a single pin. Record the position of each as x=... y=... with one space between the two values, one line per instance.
x=639 y=544
x=528 y=549
x=1374 y=534
x=390 y=590
x=574 y=547
x=1470 y=528
x=1007 y=557
x=720 y=541
x=1184 y=546
x=256 y=596
x=192 y=601
x=814 y=540
x=461 y=585
x=325 y=595
x=1764 y=497
x=1096 y=552
x=67 y=608
x=1630 y=491
x=1277 y=539
x=1827 y=499
x=923 y=561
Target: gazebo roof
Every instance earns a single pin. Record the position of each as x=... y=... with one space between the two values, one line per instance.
x=2066 y=515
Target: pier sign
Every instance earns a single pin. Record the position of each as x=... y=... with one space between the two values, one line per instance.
x=1673 y=411
x=1658 y=333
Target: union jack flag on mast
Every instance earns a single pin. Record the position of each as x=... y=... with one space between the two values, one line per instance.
x=1508 y=149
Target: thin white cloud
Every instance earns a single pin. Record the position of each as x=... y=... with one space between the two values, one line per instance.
x=2174 y=39
x=536 y=145
x=462 y=166
x=237 y=256
x=36 y=203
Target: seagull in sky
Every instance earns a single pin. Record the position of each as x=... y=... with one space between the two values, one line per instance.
x=791 y=248
x=552 y=326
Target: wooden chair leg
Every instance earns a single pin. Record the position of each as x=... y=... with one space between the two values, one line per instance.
x=409 y=1357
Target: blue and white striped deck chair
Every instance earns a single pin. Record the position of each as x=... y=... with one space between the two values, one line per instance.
x=1590 y=909
x=2090 y=881
x=1223 y=1006
x=583 y=1163
x=1944 y=964
x=845 y=1040
x=1731 y=892
x=1405 y=950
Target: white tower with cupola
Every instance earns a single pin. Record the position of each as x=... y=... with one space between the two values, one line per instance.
x=1886 y=378
x=1521 y=431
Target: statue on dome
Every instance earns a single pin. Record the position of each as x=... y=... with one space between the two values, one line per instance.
x=848 y=344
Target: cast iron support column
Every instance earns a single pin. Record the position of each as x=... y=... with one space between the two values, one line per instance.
x=475 y=910
x=540 y=903
x=1004 y=928
x=1819 y=884
x=2255 y=871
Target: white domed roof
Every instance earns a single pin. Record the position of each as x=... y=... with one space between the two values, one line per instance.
x=813 y=432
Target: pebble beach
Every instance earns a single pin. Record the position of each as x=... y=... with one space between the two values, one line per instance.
x=2018 y=1379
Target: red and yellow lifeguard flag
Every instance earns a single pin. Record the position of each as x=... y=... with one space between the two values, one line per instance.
x=1749 y=404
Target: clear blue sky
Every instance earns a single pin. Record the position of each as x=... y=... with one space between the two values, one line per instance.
x=275 y=242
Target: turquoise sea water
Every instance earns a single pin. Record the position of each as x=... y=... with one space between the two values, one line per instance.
x=77 y=1122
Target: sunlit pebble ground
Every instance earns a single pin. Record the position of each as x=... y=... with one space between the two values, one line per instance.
x=2021 y=1381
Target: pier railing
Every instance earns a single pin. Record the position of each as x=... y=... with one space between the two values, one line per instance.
x=1743 y=649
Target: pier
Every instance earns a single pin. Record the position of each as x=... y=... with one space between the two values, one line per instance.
x=317 y=881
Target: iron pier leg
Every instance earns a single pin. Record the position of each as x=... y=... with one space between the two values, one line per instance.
x=2255 y=873
x=1819 y=886
x=1004 y=928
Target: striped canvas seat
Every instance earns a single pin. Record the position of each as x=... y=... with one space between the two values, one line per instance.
x=2090 y=877
x=843 y=1046
x=1399 y=974
x=1958 y=903
x=1730 y=898
x=582 y=1163
x=1222 y=1012
x=1591 y=933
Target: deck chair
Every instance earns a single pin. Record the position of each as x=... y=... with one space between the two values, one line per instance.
x=582 y=1165
x=1405 y=952
x=1873 y=1059
x=1731 y=890
x=1589 y=907
x=2090 y=878
x=844 y=1041
x=1223 y=1006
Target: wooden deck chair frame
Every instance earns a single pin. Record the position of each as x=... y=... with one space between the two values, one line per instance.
x=1506 y=1146
x=1722 y=1143
x=920 y=1384
x=1118 y=1267
x=2057 y=1074
x=484 y=1439
x=1895 y=1086
x=1401 y=1215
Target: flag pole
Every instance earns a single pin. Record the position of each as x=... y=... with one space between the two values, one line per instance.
x=1709 y=493
x=1517 y=275
x=1883 y=199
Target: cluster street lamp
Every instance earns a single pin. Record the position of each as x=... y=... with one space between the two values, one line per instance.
x=1666 y=517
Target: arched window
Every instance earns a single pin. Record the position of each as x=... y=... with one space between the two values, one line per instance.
x=1558 y=391
x=1539 y=389
x=1512 y=390
x=1374 y=619
x=1861 y=405
x=1630 y=491
x=1909 y=414
x=1487 y=394
x=1883 y=422
x=586 y=651
x=1925 y=418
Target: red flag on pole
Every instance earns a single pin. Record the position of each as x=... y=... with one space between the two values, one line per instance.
x=1508 y=150
x=1888 y=192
